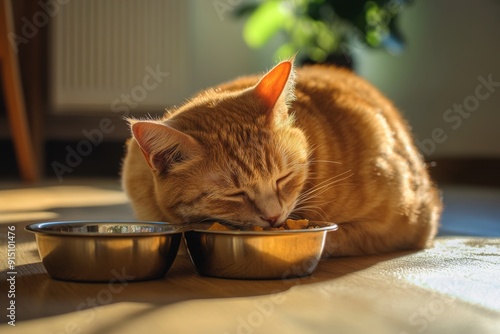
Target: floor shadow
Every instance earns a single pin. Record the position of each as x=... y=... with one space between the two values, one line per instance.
x=38 y=295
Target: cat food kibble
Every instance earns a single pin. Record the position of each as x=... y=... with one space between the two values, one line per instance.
x=299 y=224
x=218 y=227
x=290 y=224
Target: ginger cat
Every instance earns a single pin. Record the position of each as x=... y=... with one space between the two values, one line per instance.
x=318 y=143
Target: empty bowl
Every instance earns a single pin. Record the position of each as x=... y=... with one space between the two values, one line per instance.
x=277 y=254
x=99 y=251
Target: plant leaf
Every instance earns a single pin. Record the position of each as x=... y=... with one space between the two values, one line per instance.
x=266 y=21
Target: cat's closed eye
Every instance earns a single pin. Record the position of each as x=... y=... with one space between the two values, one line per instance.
x=282 y=182
x=239 y=195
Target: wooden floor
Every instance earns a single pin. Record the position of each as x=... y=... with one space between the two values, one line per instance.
x=85 y=199
x=469 y=210
x=450 y=288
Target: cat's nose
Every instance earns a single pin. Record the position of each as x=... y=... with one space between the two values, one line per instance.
x=271 y=220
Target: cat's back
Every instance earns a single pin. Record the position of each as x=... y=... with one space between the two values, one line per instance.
x=333 y=86
x=320 y=84
x=336 y=106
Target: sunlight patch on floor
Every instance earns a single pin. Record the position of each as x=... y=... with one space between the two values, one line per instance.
x=27 y=216
x=58 y=197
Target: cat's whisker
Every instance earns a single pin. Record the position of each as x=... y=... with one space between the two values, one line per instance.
x=314 y=176
x=313 y=200
x=309 y=202
x=313 y=209
x=315 y=196
x=327 y=183
x=333 y=177
x=325 y=161
x=326 y=187
x=305 y=204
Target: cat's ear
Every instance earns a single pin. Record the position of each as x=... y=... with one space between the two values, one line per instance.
x=276 y=88
x=162 y=145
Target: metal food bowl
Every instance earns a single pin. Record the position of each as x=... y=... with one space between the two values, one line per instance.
x=100 y=251
x=277 y=254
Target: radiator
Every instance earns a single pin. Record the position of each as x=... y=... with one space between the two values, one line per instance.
x=115 y=53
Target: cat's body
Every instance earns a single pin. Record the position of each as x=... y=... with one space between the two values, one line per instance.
x=234 y=153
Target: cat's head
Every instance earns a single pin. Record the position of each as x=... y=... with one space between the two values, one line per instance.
x=229 y=155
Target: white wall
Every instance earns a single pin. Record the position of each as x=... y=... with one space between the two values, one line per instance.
x=218 y=51
x=449 y=45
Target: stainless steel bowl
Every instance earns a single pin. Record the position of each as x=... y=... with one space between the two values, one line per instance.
x=257 y=255
x=105 y=250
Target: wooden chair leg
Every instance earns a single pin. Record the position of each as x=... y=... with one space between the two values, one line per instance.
x=14 y=98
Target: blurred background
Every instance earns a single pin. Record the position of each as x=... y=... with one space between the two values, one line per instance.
x=87 y=64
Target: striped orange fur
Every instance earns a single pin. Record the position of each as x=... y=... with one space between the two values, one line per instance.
x=317 y=142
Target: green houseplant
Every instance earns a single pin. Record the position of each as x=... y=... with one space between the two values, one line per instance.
x=324 y=30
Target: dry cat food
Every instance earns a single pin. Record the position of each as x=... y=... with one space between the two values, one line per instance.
x=290 y=224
